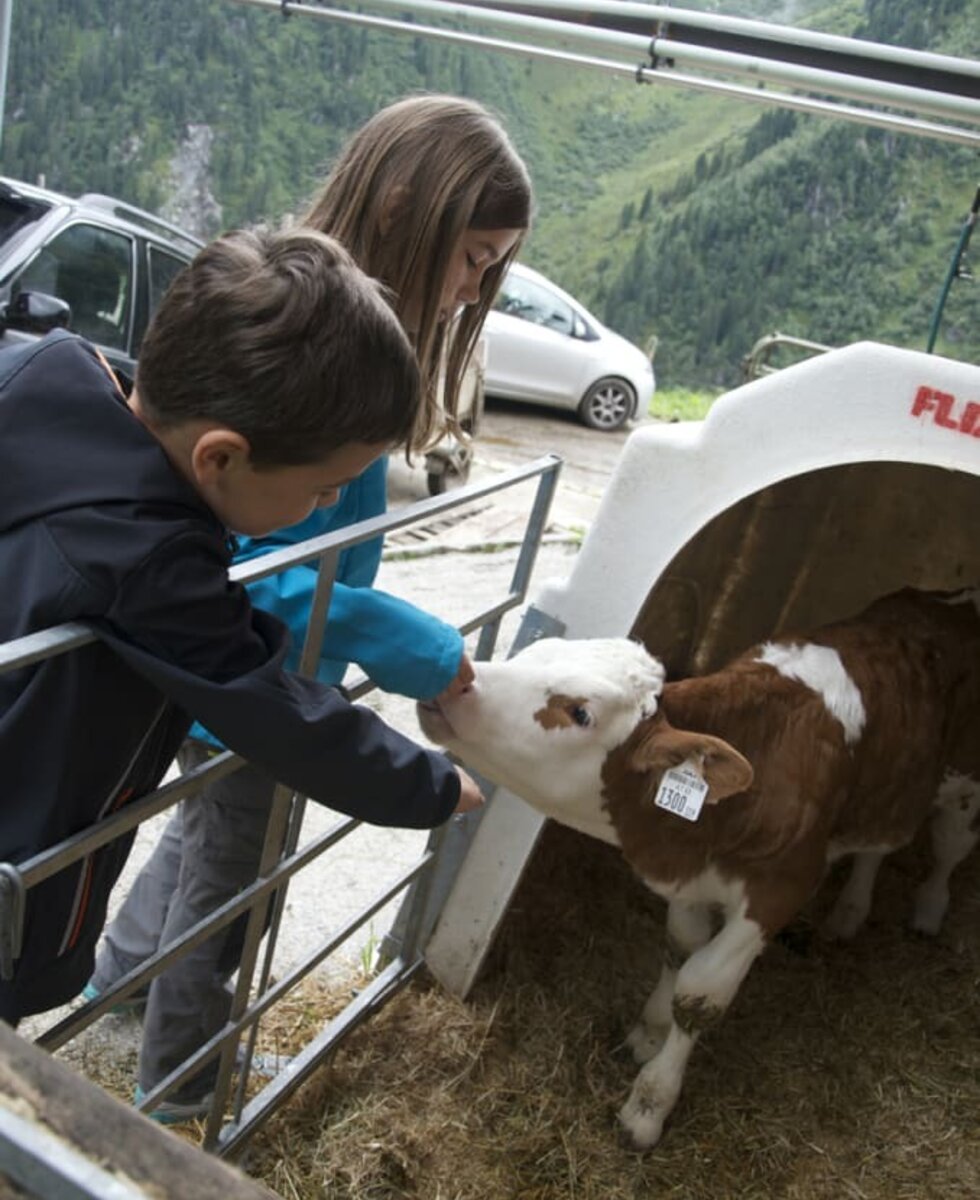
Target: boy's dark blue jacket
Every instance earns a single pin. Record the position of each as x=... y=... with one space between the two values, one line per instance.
x=97 y=526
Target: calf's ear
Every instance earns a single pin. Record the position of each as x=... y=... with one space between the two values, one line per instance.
x=725 y=770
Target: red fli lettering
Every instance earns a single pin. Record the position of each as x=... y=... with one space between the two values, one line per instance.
x=940 y=404
x=923 y=402
x=944 y=407
x=970 y=421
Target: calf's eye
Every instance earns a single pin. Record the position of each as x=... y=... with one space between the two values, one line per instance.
x=581 y=716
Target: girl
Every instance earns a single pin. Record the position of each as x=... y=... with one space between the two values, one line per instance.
x=431 y=198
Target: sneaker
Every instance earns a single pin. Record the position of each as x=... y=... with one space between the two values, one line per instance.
x=175 y=1112
x=268 y=1066
x=132 y=1004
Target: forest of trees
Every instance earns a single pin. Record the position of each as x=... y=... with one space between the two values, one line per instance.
x=855 y=250
x=101 y=93
x=826 y=230
x=698 y=220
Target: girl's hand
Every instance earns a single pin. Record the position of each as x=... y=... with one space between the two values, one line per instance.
x=464 y=678
x=470 y=796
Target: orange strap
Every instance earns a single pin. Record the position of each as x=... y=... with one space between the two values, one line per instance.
x=109 y=371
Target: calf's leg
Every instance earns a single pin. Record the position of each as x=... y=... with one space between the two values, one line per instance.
x=706 y=985
x=689 y=927
x=954 y=832
x=854 y=902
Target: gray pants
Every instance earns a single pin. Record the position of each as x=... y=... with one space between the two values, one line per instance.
x=209 y=850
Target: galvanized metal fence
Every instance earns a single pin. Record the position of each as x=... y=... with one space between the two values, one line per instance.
x=234 y=1118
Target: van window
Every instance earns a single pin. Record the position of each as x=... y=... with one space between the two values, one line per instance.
x=91 y=269
x=163 y=269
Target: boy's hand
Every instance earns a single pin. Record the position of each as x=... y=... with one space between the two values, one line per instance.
x=464 y=677
x=470 y=796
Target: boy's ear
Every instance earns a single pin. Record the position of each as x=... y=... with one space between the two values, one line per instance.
x=217 y=453
x=393 y=208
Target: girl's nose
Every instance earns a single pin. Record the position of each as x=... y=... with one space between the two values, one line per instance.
x=469 y=293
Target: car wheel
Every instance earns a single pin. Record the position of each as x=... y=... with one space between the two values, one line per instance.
x=453 y=472
x=607 y=404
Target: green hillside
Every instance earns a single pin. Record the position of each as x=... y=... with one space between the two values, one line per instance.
x=738 y=221
x=704 y=221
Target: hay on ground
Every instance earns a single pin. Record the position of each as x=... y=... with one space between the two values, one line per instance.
x=840 y=1071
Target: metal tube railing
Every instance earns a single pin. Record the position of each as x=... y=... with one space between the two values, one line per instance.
x=58 y=1035
x=667 y=52
x=15 y=878
x=229 y=1035
x=663 y=54
x=281 y=860
x=59 y=639
x=790 y=43
x=282 y=837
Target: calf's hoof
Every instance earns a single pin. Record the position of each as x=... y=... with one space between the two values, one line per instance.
x=925 y=926
x=642 y=1124
x=797 y=938
x=843 y=923
x=929 y=911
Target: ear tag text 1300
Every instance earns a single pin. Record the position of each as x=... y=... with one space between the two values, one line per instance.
x=682 y=791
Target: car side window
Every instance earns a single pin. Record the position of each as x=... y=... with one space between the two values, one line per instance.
x=163 y=270
x=159 y=271
x=531 y=302
x=91 y=269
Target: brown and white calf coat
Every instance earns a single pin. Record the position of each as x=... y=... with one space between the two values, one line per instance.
x=730 y=793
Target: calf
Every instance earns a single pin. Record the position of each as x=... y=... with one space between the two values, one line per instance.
x=729 y=794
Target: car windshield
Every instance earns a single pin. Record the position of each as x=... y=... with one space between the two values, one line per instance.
x=17 y=213
x=531 y=302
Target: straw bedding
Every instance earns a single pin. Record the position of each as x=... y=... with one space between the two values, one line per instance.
x=841 y=1071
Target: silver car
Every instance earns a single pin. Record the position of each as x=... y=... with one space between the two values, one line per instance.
x=544 y=347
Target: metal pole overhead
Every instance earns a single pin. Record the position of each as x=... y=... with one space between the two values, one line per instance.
x=805 y=47
x=6 y=11
x=663 y=54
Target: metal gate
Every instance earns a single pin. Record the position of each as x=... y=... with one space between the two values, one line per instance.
x=282 y=856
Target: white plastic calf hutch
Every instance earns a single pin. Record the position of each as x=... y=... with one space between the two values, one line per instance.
x=802 y=497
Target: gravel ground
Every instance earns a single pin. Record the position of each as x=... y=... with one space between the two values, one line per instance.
x=454 y=572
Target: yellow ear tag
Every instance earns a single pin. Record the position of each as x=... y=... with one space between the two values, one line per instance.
x=682 y=790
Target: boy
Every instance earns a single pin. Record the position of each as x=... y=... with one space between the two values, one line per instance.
x=272 y=374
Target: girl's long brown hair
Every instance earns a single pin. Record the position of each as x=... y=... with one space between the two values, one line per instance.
x=403 y=191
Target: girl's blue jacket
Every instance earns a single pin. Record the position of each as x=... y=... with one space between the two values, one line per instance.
x=400 y=647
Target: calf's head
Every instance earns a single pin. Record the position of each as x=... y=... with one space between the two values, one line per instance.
x=545 y=722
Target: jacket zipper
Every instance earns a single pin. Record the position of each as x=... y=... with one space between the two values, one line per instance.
x=116 y=799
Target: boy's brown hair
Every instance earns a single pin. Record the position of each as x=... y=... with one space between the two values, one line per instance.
x=282 y=338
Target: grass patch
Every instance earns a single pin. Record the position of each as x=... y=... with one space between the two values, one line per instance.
x=681 y=404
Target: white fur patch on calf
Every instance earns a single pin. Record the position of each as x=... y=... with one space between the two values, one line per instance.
x=820 y=669
x=954 y=834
